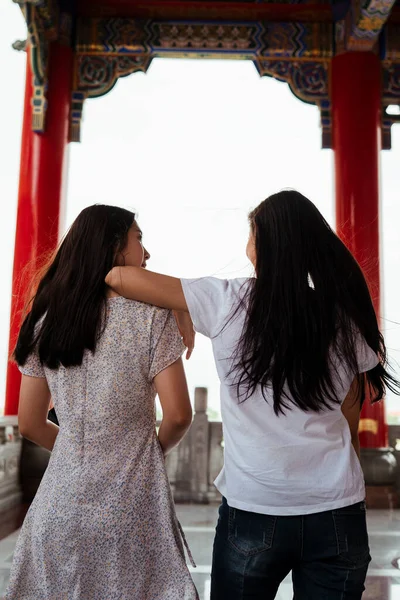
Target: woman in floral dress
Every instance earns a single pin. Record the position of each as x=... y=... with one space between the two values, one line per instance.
x=103 y=524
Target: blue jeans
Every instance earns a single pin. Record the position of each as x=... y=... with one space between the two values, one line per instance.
x=327 y=553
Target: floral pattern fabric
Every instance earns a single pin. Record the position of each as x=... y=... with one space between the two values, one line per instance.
x=103 y=523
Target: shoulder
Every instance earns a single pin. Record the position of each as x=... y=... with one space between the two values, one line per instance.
x=210 y=300
x=133 y=307
x=138 y=314
x=240 y=286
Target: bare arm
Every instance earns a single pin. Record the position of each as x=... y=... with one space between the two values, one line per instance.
x=351 y=409
x=172 y=389
x=34 y=401
x=145 y=286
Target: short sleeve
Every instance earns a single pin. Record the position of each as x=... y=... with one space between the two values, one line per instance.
x=366 y=357
x=166 y=344
x=32 y=367
x=209 y=302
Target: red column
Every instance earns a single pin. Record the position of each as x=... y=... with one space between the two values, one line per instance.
x=24 y=240
x=50 y=150
x=356 y=114
x=41 y=184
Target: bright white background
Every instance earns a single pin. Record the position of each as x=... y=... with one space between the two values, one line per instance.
x=191 y=146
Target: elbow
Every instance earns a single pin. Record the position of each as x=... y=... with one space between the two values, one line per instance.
x=111 y=277
x=24 y=430
x=182 y=420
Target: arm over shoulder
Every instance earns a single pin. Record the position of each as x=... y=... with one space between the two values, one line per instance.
x=210 y=301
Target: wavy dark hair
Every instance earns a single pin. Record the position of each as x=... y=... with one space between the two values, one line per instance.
x=308 y=301
x=71 y=296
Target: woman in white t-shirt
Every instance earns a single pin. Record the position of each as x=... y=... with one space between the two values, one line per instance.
x=296 y=347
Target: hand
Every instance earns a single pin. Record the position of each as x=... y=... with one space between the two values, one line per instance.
x=186 y=329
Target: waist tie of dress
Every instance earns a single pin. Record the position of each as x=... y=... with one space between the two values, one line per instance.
x=186 y=545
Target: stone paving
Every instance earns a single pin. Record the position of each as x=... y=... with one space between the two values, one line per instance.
x=384 y=530
x=199 y=521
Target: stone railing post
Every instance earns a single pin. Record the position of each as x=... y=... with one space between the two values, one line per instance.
x=199 y=448
x=179 y=470
x=195 y=463
x=187 y=465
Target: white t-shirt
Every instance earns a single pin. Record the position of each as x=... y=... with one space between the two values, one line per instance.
x=293 y=464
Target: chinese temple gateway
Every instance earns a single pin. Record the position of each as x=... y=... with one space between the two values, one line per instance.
x=343 y=56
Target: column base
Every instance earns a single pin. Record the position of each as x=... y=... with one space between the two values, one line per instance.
x=380 y=471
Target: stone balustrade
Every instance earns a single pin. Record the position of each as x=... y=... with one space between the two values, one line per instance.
x=195 y=463
x=192 y=466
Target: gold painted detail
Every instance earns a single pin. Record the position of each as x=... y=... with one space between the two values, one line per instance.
x=362 y=26
x=117 y=35
x=368 y=426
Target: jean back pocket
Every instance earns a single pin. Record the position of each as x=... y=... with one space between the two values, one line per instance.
x=250 y=533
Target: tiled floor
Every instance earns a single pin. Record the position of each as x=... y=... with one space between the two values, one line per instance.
x=384 y=529
x=198 y=522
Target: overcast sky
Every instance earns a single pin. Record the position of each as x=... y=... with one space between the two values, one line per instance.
x=191 y=146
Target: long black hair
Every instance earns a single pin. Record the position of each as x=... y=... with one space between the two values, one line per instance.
x=308 y=301
x=71 y=296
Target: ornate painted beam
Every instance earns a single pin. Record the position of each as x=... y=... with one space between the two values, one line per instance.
x=222 y=38
x=363 y=25
x=107 y=49
x=298 y=53
x=42 y=21
x=233 y=10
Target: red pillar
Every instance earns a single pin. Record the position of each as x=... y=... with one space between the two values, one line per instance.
x=50 y=150
x=41 y=184
x=356 y=113
x=24 y=240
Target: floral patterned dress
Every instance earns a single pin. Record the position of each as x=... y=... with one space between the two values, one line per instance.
x=103 y=524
